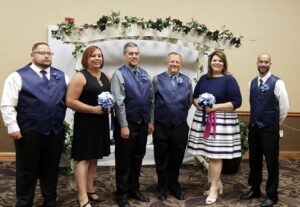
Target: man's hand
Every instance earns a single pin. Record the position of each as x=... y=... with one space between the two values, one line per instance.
x=15 y=135
x=125 y=132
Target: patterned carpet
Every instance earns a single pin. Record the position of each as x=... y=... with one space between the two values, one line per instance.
x=194 y=182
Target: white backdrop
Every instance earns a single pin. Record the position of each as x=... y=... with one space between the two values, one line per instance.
x=152 y=58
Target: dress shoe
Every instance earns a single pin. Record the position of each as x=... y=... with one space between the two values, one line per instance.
x=210 y=200
x=267 y=203
x=94 y=197
x=212 y=196
x=250 y=195
x=123 y=203
x=177 y=195
x=138 y=196
x=162 y=196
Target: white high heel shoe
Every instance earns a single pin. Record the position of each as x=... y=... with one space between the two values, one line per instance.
x=213 y=199
x=210 y=200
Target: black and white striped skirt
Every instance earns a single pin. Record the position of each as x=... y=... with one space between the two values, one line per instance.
x=225 y=143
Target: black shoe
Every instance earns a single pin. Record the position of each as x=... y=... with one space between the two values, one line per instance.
x=94 y=197
x=268 y=203
x=162 y=196
x=177 y=195
x=123 y=203
x=138 y=196
x=250 y=195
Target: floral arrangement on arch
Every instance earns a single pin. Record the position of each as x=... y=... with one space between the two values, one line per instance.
x=68 y=28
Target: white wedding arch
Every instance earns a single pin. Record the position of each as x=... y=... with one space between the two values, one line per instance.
x=155 y=39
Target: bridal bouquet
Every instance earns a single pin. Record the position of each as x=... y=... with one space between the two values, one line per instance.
x=207 y=99
x=106 y=100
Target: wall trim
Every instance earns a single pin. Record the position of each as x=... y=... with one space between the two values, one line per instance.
x=290 y=114
x=7 y=156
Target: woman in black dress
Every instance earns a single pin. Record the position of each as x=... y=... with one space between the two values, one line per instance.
x=91 y=123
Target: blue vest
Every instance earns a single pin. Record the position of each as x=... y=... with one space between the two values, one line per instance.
x=171 y=102
x=41 y=105
x=264 y=106
x=137 y=95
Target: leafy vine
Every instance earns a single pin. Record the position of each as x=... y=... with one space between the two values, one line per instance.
x=68 y=28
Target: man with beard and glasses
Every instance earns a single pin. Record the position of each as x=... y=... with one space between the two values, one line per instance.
x=33 y=109
x=132 y=88
x=268 y=108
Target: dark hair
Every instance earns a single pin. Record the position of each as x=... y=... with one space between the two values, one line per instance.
x=129 y=44
x=38 y=44
x=222 y=56
x=87 y=53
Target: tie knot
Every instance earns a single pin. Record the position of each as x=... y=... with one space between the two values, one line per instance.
x=44 y=75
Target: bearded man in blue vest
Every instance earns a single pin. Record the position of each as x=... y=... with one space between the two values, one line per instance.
x=131 y=85
x=268 y=108
x=33 y=109
x=173 y=98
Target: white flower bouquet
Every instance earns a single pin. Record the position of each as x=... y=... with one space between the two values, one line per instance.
x=106 y=100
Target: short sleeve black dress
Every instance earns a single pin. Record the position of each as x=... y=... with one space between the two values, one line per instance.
x=91 y=131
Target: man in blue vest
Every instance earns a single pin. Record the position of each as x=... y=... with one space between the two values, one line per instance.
x=33 y=109
x=132 y=88
x=173 y=98
x=268 y=108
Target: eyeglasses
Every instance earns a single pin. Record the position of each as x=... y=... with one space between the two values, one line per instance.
x=43 y=53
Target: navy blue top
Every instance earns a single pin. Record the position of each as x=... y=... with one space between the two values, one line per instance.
x=225 y=89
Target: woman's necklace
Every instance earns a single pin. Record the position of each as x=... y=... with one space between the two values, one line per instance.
x=99 y=80
x=98 y=77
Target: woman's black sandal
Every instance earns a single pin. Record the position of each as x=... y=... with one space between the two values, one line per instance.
x=91 y=198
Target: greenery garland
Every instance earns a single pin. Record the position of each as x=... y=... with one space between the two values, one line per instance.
x=68 y=28
x=67 y=149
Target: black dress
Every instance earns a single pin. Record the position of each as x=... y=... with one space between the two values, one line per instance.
x=91 y=131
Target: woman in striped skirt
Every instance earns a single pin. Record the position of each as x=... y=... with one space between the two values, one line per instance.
x=215 y=131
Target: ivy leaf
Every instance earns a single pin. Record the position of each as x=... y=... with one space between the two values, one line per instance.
x=102 y=22
x=177 y=25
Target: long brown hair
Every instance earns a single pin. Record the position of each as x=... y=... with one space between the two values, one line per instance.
x=222 y=56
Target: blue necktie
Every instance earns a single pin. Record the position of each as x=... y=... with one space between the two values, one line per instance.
x=136 y=74
x=44 y=77
x=173 y=78
x=260 y=83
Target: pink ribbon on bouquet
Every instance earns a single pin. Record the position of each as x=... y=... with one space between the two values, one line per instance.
x=211 y=122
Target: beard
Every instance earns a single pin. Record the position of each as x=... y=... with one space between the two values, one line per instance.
x=263 y=70
x=43 y=64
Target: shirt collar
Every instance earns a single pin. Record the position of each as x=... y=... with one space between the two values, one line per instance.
x=132 y=69
x=265 y=78
x=36 y=69
x=172 y=75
